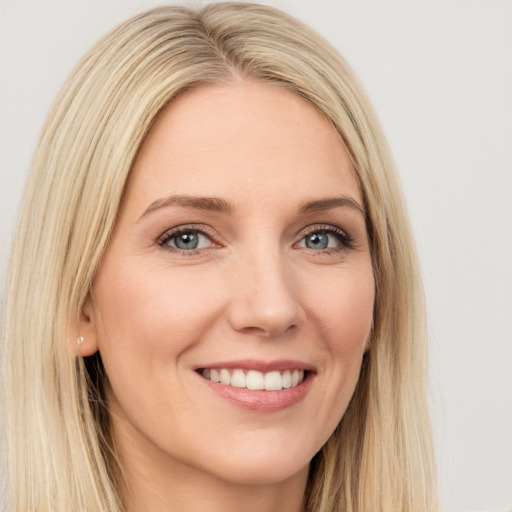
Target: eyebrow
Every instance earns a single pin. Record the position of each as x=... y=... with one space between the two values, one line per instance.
x=215 y=204
x=332 y=202
x=211 y=204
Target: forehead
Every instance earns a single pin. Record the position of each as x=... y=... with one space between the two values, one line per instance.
x=242 y=139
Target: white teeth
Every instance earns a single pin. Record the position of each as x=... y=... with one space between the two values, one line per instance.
x=238 y=379
x=273 y=381
x=287 y=379
x=225 y=378
x=255 y=380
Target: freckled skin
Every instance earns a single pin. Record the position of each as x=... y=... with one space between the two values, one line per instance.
x=252 y=290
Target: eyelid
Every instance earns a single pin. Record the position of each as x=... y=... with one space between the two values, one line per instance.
x=324 y=227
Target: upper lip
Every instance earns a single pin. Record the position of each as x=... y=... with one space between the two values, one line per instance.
x=260 y=365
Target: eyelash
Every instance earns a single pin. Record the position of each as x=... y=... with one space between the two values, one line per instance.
x=346 y=242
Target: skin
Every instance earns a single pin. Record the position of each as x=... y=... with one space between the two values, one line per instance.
x=253 y=289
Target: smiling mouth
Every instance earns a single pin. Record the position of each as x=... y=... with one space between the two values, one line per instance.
x=255 y=380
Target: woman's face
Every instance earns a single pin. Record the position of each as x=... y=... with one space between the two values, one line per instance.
x=240 y=254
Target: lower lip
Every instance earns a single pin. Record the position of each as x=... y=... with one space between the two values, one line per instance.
x=262 y=401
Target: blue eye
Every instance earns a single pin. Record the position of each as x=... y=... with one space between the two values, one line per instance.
x=186 y=240
x=317 y=241
x=325 y=239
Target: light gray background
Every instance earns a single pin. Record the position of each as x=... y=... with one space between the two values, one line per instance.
x=440 y=75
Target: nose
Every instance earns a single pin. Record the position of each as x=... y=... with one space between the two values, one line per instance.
x=265 y=298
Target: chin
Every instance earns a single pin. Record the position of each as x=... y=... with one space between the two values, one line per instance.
x=259 y=467
x=257 y=473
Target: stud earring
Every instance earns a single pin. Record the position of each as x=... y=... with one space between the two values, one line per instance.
x=79 y=340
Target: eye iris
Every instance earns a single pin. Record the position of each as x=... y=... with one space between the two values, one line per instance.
x=187 y=241
x=317 y=241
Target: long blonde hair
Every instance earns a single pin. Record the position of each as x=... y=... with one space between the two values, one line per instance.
x=57 y=450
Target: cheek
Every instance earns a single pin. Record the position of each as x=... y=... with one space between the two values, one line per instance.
x=148 y=323
x=150 y=317
x=344 y=310
x=344 y=316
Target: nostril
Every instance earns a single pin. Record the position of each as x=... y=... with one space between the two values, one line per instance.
x=267 y=332
x=256 y=331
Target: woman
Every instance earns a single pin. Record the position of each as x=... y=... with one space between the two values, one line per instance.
x=213 y=299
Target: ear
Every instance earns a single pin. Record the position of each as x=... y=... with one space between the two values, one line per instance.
x=84 y=336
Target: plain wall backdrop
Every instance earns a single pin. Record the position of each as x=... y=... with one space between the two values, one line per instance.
x=439 y=73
